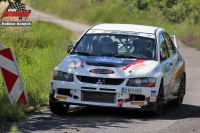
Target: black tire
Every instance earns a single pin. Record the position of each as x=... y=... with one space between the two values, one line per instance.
x=181 y=92
x=57 y=108
x=159 y=102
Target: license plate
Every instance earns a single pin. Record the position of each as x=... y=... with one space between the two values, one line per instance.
x=137 y=103
x=61 y=97
x=135 y=91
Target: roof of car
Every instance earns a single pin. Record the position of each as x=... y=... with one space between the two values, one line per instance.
x=126 y=27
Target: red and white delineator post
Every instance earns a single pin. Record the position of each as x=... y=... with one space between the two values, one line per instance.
x=11 y=77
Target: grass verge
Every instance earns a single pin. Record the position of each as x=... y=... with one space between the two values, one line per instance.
x=38 y=50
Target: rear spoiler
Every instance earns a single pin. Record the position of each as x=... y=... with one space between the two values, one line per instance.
x=173 y=37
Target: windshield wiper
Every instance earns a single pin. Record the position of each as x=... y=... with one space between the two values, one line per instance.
x=81 y=53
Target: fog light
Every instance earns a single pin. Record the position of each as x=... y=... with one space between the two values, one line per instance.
x=75 y=97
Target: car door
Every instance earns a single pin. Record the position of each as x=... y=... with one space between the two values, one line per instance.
x=172 y=81
x=165 y=63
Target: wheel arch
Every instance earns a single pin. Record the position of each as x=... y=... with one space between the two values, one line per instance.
x=162 y=83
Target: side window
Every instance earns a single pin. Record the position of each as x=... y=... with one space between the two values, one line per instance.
x=163 y=48
x=170 y=44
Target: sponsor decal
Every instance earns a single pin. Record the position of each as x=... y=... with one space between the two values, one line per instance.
x=101 y=71
x=137 y=103
x=181 y=70
x=125 y=32
x=76 y=62
x=172 y=80
x=166 y=67
x=132 y=64
x=122 y=32
x=166 y=86
x=137 y=66
x=131 y=90
x=82 y=63
x=108 y=59
x=61 y=97
x=153 y=96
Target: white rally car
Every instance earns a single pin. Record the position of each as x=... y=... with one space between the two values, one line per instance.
x=120 y=65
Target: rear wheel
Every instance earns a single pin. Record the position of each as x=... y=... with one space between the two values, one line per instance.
x=159 y=102
x=58 y=108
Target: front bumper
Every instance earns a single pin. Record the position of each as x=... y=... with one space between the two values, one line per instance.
x=88 y=94
x=150 y=106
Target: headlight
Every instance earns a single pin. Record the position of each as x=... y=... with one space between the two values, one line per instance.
x=63 y=76
x=142 y=82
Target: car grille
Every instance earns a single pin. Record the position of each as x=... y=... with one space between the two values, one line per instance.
x=95 y=80
x=98 y=97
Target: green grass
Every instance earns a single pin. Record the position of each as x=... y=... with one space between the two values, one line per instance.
x=38 y=50
x=112 y=11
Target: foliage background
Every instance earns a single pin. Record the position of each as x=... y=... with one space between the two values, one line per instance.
x=180 y=17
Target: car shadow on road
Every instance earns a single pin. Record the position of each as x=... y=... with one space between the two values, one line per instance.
x=98 y=117
x=182 y=112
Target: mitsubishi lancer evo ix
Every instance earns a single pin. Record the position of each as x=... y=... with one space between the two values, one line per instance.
x=120 y=65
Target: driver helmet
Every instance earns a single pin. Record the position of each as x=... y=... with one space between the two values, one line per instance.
x=106 y=45
x=145 y=45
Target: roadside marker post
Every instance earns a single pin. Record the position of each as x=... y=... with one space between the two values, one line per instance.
x=11 y=77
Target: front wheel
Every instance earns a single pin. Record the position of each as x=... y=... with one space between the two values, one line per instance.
x=159 y=101
x=58 y=108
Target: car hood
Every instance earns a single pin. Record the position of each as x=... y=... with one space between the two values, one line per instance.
x=107 y=67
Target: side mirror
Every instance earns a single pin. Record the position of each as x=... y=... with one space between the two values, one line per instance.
x=69 y=48
x=163 y=55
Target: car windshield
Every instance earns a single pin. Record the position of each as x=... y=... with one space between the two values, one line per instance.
x=116 y=45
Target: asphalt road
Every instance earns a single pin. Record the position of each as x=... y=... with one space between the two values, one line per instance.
x=185 y=119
